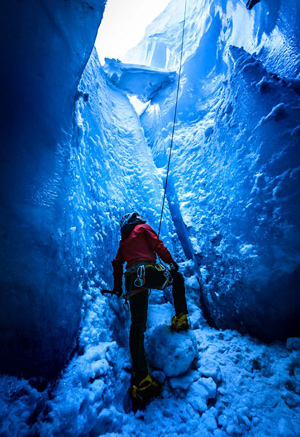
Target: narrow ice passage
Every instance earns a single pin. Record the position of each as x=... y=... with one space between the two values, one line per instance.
x=234 y=386
x=80 y=157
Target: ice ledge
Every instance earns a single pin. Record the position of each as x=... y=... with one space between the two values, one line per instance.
x=138 y=80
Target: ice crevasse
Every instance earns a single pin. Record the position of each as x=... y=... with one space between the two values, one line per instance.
x=76 y=156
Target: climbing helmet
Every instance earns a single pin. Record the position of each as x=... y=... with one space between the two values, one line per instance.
x=132 y=218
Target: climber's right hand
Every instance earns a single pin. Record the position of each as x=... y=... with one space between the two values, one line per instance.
x=174 y=266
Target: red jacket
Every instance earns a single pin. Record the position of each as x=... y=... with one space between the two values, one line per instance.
x=141 y=244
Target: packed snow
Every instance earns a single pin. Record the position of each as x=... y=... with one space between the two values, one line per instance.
x=215 y=383
x=230 y=221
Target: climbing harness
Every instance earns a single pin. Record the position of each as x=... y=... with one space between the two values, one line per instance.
x=137 y=281
x=174 y=120
x=136 y=278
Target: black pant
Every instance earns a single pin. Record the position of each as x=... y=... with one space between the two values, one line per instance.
x=139 y=311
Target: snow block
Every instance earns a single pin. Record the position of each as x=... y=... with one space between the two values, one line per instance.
x=171 y=352
x=182 y=382
x=200 y=393
x=210 y=368
x=285 y=429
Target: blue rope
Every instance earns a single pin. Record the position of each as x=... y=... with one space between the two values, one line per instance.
x=174 y=121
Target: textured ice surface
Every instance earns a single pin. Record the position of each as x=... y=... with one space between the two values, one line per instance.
x=113 y=173
x=213 y=26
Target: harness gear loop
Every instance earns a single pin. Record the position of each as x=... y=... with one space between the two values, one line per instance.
x=169 y=279
x=140 y=276
x=160 y=267
x=174 y=120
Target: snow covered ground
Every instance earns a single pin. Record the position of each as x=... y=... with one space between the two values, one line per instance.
x=226 y=385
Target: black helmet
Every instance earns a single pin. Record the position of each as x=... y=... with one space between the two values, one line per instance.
x=132 y=218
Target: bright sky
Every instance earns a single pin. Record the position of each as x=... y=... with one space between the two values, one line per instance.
x=124 y=24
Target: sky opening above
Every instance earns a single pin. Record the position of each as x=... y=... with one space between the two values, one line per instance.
x=124 y=24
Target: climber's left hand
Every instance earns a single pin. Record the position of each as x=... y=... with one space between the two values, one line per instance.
x=118 y=291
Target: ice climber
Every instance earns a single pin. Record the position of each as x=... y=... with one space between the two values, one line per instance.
x=139 y=246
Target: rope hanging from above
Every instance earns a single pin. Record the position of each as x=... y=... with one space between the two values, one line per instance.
x=174 y=120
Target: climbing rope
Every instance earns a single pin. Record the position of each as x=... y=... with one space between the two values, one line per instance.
x=174 y=121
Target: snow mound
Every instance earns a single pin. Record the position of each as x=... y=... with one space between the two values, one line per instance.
x=171 y=352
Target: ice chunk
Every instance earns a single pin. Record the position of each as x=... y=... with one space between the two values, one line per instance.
x=109 y=420
x=285 y=429
x=291 y=399
x=209 y=367
x=183 y=382
x=138 y=80
x=200 y=392
x=209 y=421
x=171 y=352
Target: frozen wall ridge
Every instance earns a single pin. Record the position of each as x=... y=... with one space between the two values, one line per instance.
x=265 y=31
x=139 y=80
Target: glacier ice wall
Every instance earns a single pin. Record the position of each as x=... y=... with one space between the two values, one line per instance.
x=110 y=172
x=44 y=48
x=235 y=165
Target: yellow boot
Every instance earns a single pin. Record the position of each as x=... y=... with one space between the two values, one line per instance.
x=147 y=389
x=180 y=323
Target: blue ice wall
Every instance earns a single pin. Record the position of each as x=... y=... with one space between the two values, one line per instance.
x=44 y=48
x=235 y=164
